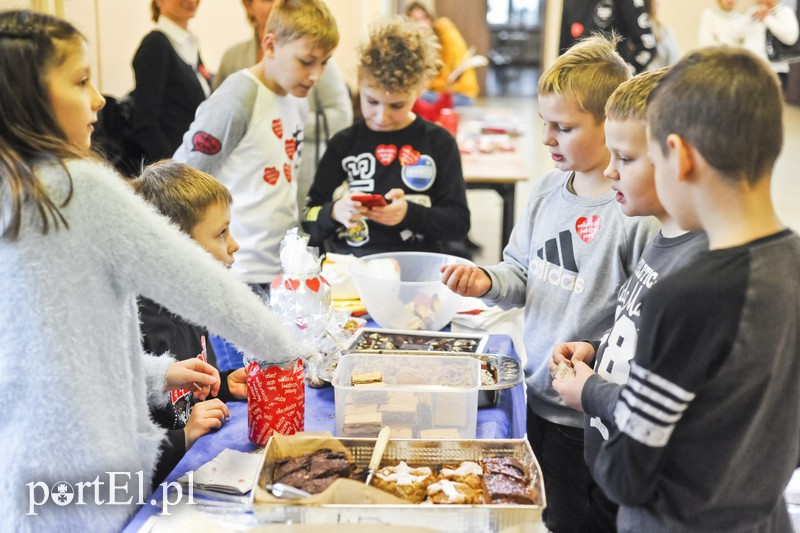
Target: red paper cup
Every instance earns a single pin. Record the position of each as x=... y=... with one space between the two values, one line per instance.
x=275 y=400
x=448 y=119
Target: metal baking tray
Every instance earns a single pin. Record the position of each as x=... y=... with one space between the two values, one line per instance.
x=486 y=517
x=427 y=341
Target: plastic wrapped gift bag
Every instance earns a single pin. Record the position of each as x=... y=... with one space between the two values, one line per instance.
x=301 y=296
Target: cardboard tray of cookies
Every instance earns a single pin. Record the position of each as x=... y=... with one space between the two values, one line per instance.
x=464 y=485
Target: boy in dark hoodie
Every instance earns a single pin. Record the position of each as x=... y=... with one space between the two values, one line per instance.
x=200 y=206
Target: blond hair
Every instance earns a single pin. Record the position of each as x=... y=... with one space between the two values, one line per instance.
x=629 y=100
x=180 y=192
x=587 y=73
x=399 y=56
x=290 y=20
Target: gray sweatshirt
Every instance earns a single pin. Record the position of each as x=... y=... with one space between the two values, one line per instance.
x=565 y=260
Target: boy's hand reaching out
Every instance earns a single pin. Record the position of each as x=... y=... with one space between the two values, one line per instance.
x=193 y=374
x=207 y=415
x=237 y=383
x=466 y=280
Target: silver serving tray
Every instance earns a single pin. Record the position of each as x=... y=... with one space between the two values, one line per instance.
x=473 y=342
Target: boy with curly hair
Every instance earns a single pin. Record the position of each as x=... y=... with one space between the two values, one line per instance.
x=412 y=164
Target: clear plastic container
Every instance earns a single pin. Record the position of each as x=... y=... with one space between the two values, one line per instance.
x=433 y=397
x=403 y=290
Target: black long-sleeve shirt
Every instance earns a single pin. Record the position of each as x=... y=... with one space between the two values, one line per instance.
x=422 y=159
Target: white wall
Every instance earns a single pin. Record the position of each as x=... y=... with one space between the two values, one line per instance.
x=115 y=27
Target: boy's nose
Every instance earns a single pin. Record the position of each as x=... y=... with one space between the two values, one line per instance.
x=316 y=73
x=548 y=139
x=611 y=172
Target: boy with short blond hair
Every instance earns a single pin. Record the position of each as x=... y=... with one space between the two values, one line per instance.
x=632 y=175
x=413 y=165
x=567 y=256
x=200 y=206
x=707 y=425
x=249 y=133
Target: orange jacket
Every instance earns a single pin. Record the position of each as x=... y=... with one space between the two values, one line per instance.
x=452 y=53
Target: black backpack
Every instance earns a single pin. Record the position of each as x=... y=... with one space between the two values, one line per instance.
x=112 y=136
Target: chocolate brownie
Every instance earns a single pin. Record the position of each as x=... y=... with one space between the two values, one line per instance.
x=313 y=472
x=506 y=480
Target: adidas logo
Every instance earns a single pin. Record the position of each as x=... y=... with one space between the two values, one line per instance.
x=556 y=264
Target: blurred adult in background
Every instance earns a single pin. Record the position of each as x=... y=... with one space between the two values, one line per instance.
x=171 y=80
x=667 y=51
x=781 y=21
x=720 y=25
x=452 y=52
x=329 y=100
x=628 y=18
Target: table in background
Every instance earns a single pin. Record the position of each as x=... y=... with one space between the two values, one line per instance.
x=498 y=171
x=504 y=421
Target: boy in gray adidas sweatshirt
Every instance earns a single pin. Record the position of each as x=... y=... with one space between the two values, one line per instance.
x=566 y=258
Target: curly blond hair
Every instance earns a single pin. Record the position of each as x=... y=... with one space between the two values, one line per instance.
x=399 y=57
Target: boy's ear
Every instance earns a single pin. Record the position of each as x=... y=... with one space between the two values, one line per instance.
x=684 y=154
x=268 y=44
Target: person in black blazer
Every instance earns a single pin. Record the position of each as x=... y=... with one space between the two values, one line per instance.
x=171 y=81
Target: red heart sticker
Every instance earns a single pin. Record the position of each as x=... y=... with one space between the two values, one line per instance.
x=408 y=156
x=588 y=228
x=313 y=284
x=576 y=30
x=277 y=127
x=271 y=175
x=205 y=143
x=291 y=147
x=386 y=153
x=275 y=282
x=287 y=171
x=291 y=284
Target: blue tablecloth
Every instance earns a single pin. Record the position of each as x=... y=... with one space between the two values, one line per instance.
x=505 y=420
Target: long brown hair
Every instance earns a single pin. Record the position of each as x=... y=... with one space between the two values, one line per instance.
x=30 y=45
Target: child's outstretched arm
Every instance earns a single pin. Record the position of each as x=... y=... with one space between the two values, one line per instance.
x=193 y=374
x=466 y=280
x=207 y=415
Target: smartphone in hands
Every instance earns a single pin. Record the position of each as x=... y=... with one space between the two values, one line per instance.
x=370 y=200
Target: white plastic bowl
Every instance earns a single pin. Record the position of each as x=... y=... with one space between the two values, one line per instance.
x=403 y=290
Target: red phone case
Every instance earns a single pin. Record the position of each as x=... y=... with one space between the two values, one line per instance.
x=370 y=200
